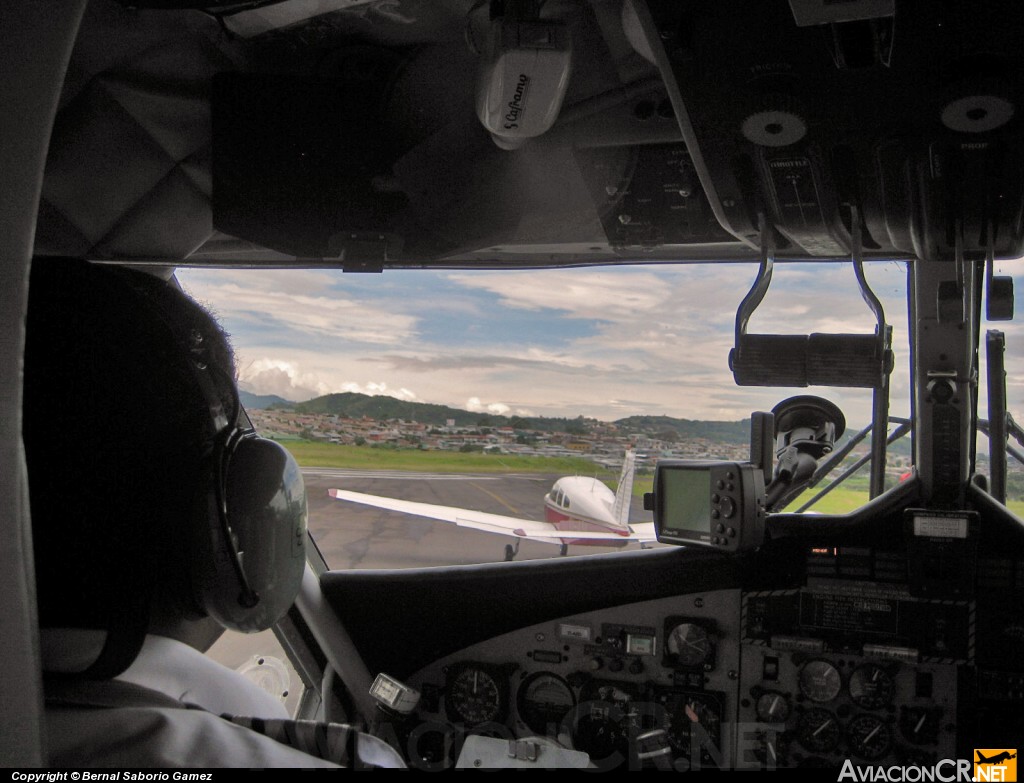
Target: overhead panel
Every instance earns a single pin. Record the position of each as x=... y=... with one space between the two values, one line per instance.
x=802 y=111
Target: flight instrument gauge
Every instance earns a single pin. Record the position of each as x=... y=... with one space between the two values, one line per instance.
x=475 y=694
x=695 y=721
x=818 y=731
x=543 y=701
x=869 y=737
x=605 y=720
x=772 y=707
x=688 y=644
x=920 y=725
x=819 y=681
x=871 y=687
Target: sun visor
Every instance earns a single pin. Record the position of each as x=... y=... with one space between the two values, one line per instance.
x=315 y=169
x=299 y=166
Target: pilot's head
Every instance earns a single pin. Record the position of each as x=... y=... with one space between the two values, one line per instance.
x=152 y=502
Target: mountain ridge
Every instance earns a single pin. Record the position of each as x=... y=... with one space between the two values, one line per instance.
x=354 y=405
x=252 y=401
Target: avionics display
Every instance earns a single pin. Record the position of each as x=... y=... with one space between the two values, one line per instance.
x=687 y=493
x=716 y=504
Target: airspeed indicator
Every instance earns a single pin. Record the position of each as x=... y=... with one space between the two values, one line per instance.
x=474 y=696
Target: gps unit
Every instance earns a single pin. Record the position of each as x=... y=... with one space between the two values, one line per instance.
x=714 y=504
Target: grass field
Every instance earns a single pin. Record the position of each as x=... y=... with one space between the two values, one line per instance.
x=843 y=500
x=838 y=501
x=328 y=455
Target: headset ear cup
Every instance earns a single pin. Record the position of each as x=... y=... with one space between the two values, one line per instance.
x=265 y=499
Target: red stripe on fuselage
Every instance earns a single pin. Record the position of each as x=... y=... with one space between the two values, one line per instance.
x=569 y=523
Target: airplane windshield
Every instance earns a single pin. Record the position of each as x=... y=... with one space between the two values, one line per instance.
x=487 y=387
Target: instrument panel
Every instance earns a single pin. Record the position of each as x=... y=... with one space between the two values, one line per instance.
x=849 y=666
x=814 y=709
x=651 y=684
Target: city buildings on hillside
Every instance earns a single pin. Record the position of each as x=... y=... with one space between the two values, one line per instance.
x=604 y=443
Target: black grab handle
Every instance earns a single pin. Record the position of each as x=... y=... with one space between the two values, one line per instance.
x=850 y=360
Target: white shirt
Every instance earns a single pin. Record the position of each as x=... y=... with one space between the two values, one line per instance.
x=168 y=737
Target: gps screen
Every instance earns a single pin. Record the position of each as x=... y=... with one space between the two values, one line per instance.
x=686 y=499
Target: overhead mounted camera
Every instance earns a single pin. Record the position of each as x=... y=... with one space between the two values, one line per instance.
x=524 y=73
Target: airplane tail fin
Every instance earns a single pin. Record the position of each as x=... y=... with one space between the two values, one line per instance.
x=624 y=492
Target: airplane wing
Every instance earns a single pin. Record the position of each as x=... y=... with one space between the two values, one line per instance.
x=643 y=531
x=491 y=523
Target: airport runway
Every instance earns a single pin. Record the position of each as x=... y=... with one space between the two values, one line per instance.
x=351 y=535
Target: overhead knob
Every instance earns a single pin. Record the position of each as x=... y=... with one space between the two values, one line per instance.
x=778 y=123
x=977 y=113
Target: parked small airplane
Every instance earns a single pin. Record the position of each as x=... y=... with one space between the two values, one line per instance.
x=578 y=510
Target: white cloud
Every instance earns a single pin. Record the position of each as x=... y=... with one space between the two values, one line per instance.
x=285 y=379
x=302 y=380
x=374 y=389
x=476 y=406
x=307 y=303
x=301 y=282
x=429 y=360
x=599 y=294
x=637 y=340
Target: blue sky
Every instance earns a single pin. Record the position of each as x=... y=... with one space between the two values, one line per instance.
x=606 y=342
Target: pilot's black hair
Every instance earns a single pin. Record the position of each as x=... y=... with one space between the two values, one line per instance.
x=114 y=427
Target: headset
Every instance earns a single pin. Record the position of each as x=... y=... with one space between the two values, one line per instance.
x=247 y=548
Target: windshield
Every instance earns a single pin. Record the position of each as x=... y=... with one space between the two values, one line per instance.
x=491 y=388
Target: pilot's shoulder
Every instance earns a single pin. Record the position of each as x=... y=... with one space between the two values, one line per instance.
x=161 y=737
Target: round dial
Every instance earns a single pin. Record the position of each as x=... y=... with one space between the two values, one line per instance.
x=772 y=707
x=818 y=731
x=869 y=737
x=601 y=737
x=920 y=725
x=688 y=644
x=820 y=681
x=691 y=711
x=871 y=687
x=474 y=696
x=604 y=721
x=543 y=701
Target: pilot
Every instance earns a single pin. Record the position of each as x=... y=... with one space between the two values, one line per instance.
x=158 y=521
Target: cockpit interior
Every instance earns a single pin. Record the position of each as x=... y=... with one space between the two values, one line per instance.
x=370 y=136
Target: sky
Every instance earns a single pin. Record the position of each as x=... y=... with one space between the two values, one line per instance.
x=601 y=342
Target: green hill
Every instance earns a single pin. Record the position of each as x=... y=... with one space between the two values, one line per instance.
x=352 y=405
x=355 y=406
x=252 y=401
x=685 y=429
